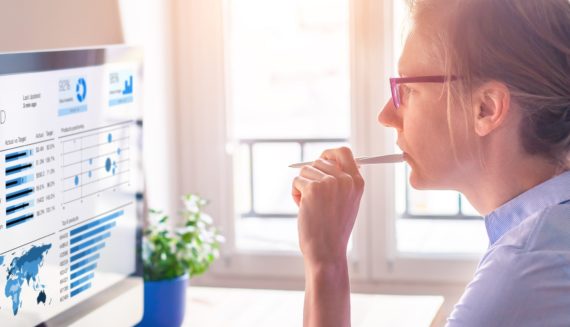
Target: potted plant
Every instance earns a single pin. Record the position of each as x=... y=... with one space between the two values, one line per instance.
x=172 y=255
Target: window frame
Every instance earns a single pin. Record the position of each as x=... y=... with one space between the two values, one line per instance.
x=203 y=134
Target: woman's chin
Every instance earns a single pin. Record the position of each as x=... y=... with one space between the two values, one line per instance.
x=420 y=182
x=416 y=182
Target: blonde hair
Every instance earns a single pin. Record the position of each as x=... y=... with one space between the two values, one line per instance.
x=524 y=44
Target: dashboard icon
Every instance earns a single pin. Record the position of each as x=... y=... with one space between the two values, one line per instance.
x=81 y=89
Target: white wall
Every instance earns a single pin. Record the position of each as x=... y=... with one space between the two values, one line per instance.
x=149 y=23
x=27 y=25
x=49 y=24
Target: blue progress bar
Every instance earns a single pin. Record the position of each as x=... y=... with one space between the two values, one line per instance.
x=18 y=155
x=82 y=263
x=122 y=100
x=19 y=181
x=90 y=242
x=71 y=111
x=96 y=223
x=81 y=280
x=19 y=194
x=92 y=232
x=16 y=221
x=87 y=252
x=83 y=271
x=18 y=168
x=81 y=289
x=19 y=207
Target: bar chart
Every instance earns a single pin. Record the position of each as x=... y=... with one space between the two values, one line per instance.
x=81 y=249
x=29 y=182
x=94 y=162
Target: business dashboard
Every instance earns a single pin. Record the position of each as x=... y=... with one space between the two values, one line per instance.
x=70 y=180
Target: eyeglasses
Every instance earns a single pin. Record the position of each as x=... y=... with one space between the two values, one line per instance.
x=396 y=81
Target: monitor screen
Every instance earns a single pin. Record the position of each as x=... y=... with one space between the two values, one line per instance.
x=70 y=179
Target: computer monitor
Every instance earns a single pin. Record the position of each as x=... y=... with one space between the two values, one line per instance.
x=70 y=186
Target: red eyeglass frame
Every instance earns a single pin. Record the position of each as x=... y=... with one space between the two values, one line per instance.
x=394 y=81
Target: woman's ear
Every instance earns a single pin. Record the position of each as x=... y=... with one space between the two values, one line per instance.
x=491 y=102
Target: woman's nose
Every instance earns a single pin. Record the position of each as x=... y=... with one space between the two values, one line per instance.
x=389 y=117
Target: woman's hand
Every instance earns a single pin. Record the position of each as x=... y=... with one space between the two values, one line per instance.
x=328 y=194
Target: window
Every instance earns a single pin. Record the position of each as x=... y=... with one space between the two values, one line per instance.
x=289 y=99
x=265 y=84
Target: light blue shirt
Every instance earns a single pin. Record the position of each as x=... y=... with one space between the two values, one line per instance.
x=524 y=277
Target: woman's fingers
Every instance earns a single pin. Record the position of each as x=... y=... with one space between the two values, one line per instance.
x=338 y=163
x=312 y=172
x=299 y=184
x=307 y=175
x=327 y=166
x=344 y=158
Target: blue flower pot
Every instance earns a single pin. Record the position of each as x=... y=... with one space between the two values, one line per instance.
x=164 y=302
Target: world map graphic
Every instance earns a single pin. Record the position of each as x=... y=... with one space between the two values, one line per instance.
x=24 y=271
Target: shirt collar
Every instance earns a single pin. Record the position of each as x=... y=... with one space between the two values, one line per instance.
x=509 y=215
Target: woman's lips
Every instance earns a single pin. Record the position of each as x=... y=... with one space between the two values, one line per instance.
x=404 y=153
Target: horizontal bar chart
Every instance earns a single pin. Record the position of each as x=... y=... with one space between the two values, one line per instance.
x=18 y=168
x=82 y=280
x=86 y=242
x=91 y=233
x=16 y=221
x=84 y=262
x=18 y=207
x=87 y=252
x=89 y=243
x=19 y=190
x=19 y=194
x=95 y=223
x=19 y=181
x=80 y=289
x=17 y=155
x=83 y=271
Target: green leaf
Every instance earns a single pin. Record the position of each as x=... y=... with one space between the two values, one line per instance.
x=172 y=252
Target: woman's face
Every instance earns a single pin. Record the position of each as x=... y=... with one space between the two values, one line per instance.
x=421 y=121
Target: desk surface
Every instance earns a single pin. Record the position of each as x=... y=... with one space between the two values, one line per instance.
x=223 y=307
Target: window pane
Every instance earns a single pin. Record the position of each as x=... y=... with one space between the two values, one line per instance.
x=466 y=207
x=424 y=203
x=401 y=183
x=272 y=177
x=429 y=236
x=242 y=162
x=436 y=203
x=289 y=68
x=288 y=79
x=277 y=234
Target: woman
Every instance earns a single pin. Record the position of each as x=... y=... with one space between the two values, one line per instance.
x=483 y=108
